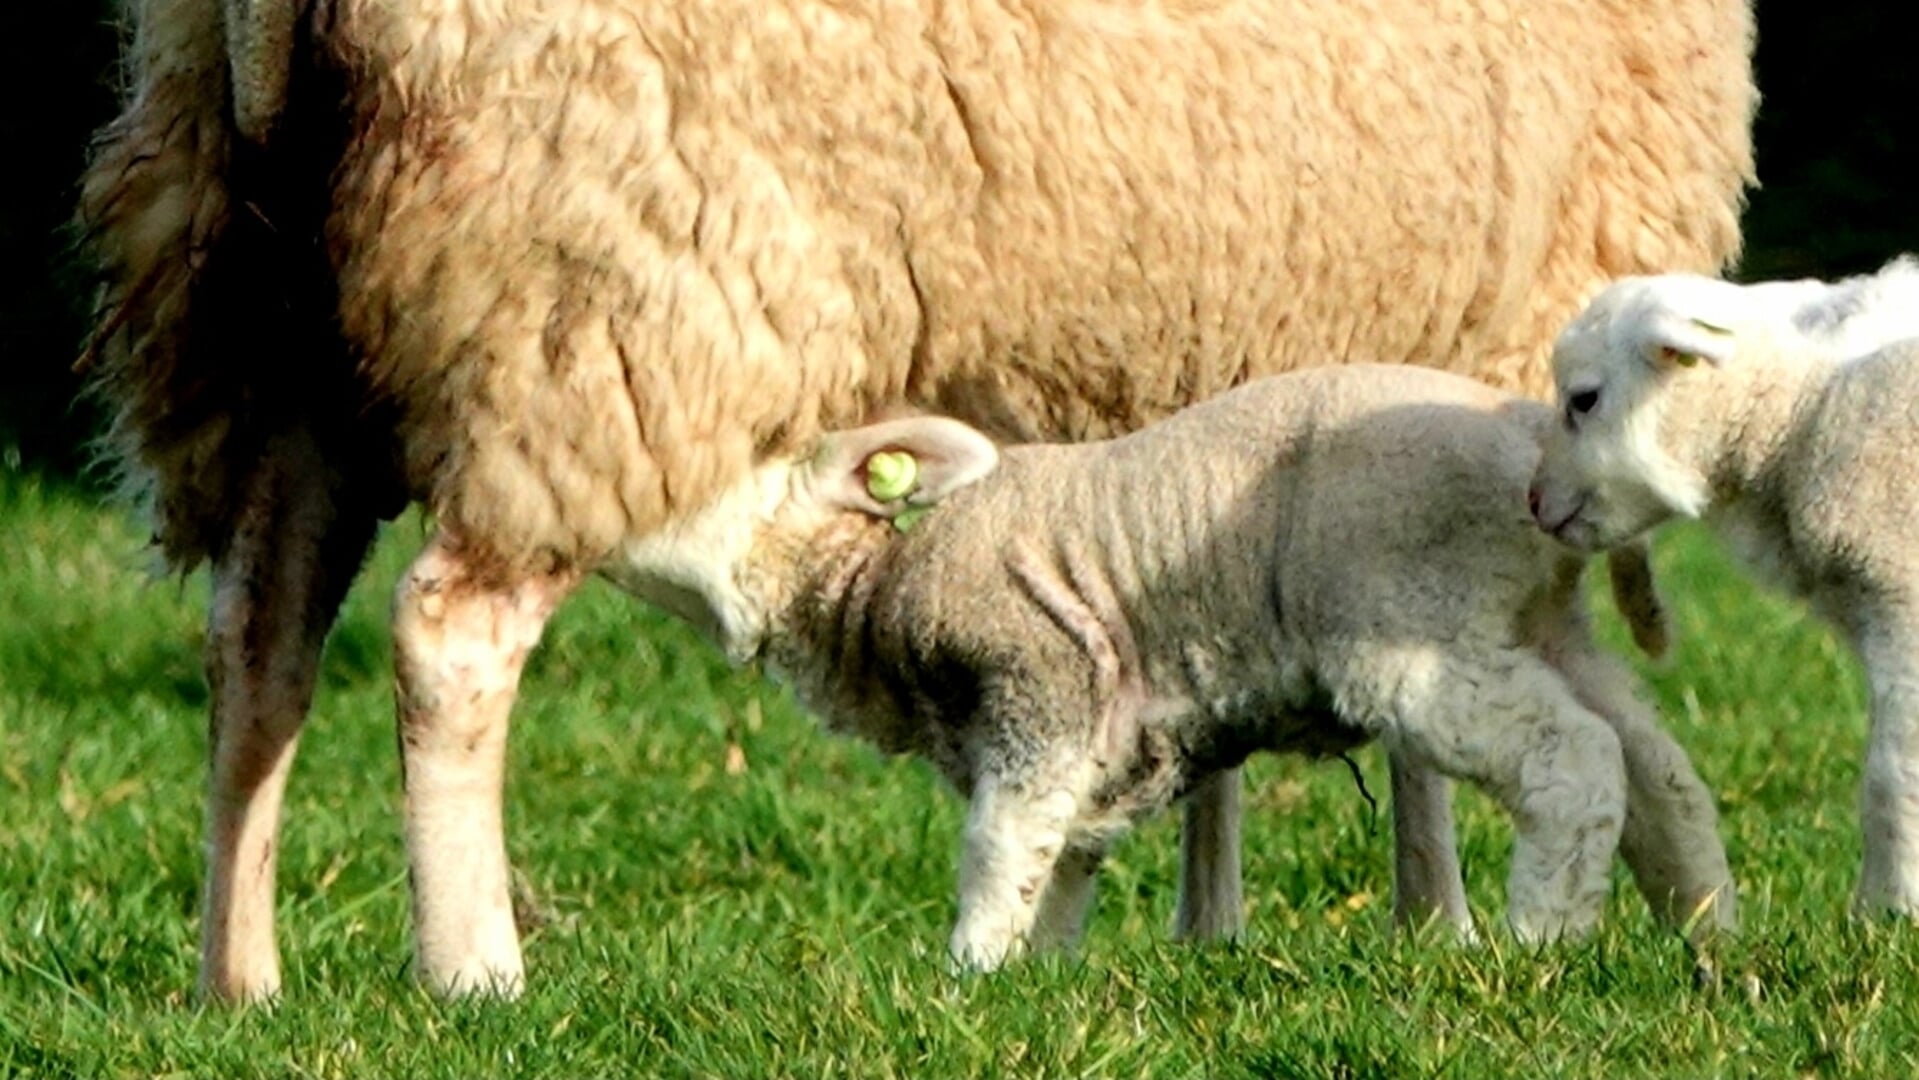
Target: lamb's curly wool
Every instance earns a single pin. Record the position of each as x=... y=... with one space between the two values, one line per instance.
x=565 y=270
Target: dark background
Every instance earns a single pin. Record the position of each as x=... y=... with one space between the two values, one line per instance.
x=1839 y=111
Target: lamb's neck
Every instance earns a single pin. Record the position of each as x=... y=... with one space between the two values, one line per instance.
x=1745 y=420
x=822 y=639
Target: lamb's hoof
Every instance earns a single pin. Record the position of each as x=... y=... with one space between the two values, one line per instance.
x=1705 y=973
x=969 y=956
x=1886 y=905
x=1551 y=928
x=481 y=983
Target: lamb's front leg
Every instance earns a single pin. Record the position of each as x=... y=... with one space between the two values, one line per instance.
x=1889 y=790
x=1064 y=902
x=1671 y=835
x=1016 y=830
x=461 y=638
x=1504 y=719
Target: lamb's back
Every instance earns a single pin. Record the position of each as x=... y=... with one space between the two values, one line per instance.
x=1234 y=531
x=1407 y=512
x=1848 y=472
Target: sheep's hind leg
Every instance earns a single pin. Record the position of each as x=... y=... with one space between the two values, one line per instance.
x=1508 y=721
x=461 y=638
x=1426 y=881
x=278 y=579
x=1210 y=904
x=1889 y=788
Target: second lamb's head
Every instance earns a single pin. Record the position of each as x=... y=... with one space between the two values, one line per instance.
x=1632 y=372
x=733 y=568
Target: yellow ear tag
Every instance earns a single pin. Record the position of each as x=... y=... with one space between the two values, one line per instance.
x=891 y=474
x=907 y=518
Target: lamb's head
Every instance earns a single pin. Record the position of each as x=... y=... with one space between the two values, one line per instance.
x=734 y=567
x=1619 y=463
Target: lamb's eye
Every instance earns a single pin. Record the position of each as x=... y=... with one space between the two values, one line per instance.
x=1580 y=403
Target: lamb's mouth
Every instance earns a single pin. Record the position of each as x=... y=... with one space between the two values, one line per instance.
x=1562 y=529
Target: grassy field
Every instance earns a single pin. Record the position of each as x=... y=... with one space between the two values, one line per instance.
x=723 y=891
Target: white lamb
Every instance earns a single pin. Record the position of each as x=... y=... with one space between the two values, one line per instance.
x=1079 y=634
x=1795 y=440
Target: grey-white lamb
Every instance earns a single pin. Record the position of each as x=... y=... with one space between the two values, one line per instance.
x=1078 y=635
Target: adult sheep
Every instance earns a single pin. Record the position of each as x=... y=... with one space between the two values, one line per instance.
x=564 y=270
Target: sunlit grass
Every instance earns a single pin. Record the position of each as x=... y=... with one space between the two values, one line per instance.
x=786 y=915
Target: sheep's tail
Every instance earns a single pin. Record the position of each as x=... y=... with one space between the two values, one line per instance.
x=154 y=206
x=1633 y=591
x=213 y=326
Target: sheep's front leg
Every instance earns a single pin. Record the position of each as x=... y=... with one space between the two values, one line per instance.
x=1015 y=834
x=1210 y=904
x=1889 y=789
x=278 y=580
x=1426 y=880
x=461 y=639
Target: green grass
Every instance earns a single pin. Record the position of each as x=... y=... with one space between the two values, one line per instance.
x=789 y=918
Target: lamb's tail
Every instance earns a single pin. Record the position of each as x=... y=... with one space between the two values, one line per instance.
x=1633 y=591
x=214 y=317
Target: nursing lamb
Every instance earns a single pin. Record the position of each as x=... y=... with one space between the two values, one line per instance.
x=1082 y=633
x=1786 y=415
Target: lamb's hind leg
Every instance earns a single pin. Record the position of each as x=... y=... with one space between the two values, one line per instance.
x=1889 y=788
x=461 y=636
x=1671 y=837
x=1507 y=721
x=1426 y=880
x=278 y=580
x=1209 y=876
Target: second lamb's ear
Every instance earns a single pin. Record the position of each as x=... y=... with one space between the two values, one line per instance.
x=1673 y=339
x=886 y=469
x=1686 y=323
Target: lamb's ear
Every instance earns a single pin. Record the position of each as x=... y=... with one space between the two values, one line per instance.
x=1677 y=331
x=1676 y=340
x=926 y=458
